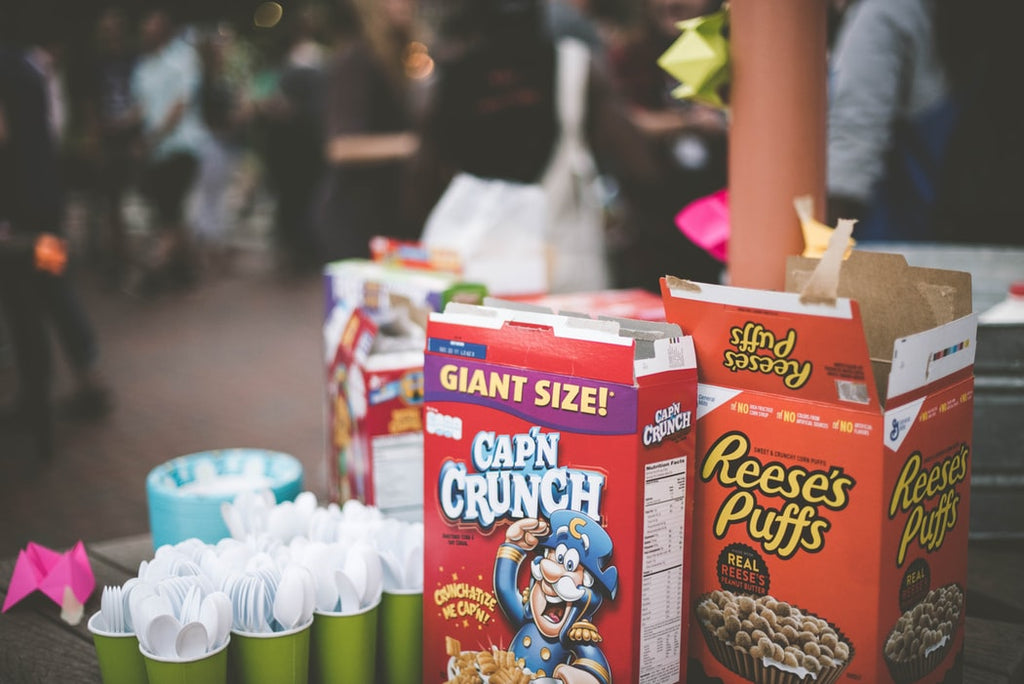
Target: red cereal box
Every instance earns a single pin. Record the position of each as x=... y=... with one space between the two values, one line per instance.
x=373 y=338
x=832 y=475
x=557 y=485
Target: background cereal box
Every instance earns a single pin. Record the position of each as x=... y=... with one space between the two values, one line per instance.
x=557 y=476
x=373 y=345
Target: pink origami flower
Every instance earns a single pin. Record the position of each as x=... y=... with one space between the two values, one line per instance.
x=67 y=578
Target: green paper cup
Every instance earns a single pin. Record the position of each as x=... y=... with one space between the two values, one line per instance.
x=270 y=658
x=211 y=668
x=344 y=648
x=400 y=638
x=118 y=653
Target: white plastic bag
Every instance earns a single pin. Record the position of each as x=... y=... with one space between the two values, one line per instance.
x=497 y=230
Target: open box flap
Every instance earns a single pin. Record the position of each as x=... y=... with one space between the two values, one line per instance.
x=657 y=346
x=624 y=349
x=932 y=355
x=896 y=300
x=356 y=282
x=773 y=342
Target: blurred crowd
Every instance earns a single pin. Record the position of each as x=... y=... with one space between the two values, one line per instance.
x=354 y=115
x=328 y=106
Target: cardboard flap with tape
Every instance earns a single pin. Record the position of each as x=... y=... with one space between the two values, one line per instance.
x=898 y=303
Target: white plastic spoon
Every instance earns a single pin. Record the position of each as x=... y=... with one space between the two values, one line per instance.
x=393 y=578
x=223 y=603
x=355 y=570
x=308 y=594
x=347 y=593
x=414 y=568
x=162 y=634
x=288 y=600
x=191 y=641
x=191 y=605
x=209 y=615
x=326 y=592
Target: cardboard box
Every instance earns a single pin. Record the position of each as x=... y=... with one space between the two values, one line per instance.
x=373 y=340
x=558 y=452
x=833 y=475
x=375 y=409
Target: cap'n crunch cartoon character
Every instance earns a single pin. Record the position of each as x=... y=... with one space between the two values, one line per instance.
x=568 y=583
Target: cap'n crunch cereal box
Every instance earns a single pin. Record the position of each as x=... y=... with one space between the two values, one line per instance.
x=557 y=476
x=832 y=477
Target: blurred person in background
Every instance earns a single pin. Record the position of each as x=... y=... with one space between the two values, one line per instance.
x=289 y=112
x=226 y=112
x=926 y=135
x=369 y=126
x=33 y=299
x=572 y=19
x=891 y=112
x=979 y=186
x=494 y=113
x=113 y=137
x=165 y=87
x=689 y=140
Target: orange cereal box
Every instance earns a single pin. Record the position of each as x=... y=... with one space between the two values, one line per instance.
x=557 y=476
x=832 y=475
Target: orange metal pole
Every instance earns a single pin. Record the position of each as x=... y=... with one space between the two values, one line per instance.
x=777 y=132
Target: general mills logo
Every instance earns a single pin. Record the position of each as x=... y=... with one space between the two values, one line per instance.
x=894 y=434
x=899 y=426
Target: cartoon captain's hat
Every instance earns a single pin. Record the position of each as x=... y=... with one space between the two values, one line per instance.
x=578 y=531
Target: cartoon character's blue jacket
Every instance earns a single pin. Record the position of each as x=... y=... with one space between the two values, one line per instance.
x=541 y=654
x=590 y=543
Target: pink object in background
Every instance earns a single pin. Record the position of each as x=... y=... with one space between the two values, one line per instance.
x=52 y=573
x=706 y=222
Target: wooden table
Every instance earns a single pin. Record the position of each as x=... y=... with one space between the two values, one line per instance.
x=37 y=647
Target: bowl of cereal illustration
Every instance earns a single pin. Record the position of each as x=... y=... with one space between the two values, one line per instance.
x=491 y=666
x=923 y=636
x=769 y=641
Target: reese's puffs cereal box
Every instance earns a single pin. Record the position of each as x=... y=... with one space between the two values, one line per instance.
x=558 y=457
x=832 y=476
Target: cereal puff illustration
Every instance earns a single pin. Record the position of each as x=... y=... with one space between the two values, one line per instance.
x=569 y=581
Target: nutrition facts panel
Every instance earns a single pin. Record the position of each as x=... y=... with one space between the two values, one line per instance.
x=398 y=474
x=662 y=584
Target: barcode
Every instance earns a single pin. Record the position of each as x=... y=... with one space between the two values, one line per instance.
x=676 y=355
x=854 y=392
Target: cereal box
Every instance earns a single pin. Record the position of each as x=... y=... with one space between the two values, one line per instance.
x=373 y=339
x=832 y=475
x=558 y=452
x=376 y=400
